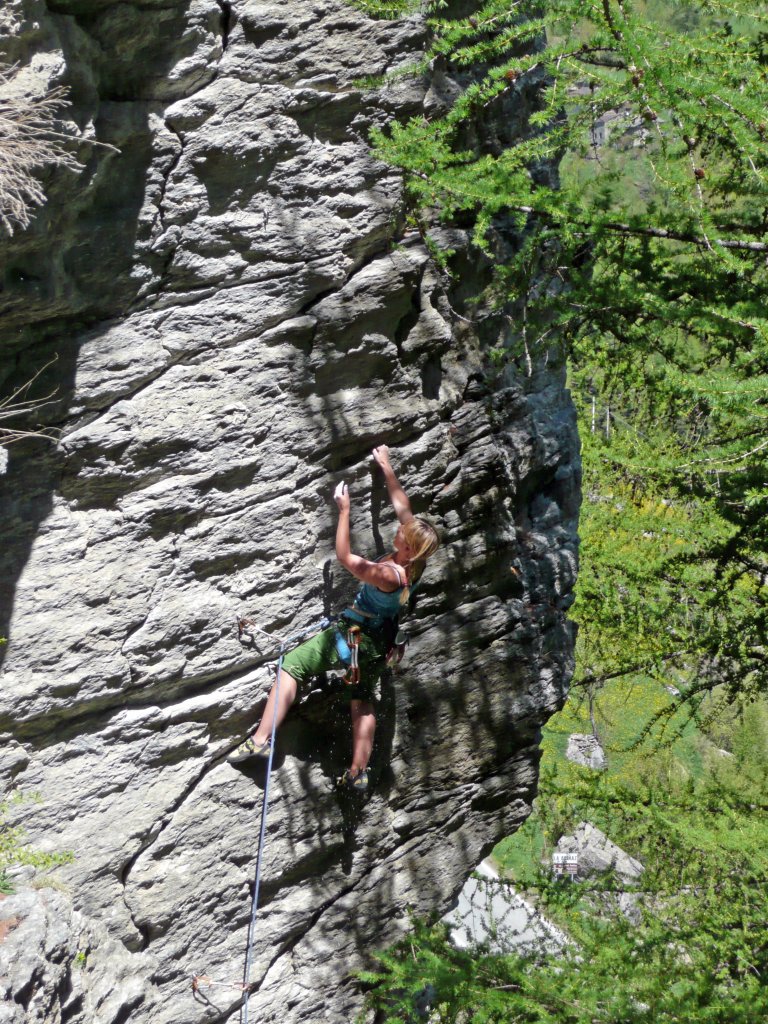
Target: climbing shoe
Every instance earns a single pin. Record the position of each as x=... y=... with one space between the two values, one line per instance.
x=354 y=782
x=250 y=751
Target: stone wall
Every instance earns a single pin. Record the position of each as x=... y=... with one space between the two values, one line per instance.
x=238 y=315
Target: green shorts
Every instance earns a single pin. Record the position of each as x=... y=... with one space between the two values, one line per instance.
x=319 y=654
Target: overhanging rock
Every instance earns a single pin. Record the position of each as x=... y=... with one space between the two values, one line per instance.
x=239 y=316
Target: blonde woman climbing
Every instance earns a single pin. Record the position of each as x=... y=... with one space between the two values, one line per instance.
x=360 y=639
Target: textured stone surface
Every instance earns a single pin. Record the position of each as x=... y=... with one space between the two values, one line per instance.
x=56 y=965
x=490 y=913
x=238 y=316
x=597 y=854
x=585 y=749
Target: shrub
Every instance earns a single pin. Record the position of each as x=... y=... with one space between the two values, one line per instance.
x=29 y=141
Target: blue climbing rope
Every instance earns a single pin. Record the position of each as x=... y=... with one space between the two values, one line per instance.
x=284 y=646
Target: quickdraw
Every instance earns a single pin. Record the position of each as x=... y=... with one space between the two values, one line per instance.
x=352 y=676
x=397 y=650
x=348 y=649
x=203 y=981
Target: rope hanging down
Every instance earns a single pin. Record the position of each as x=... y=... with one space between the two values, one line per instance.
x=284 y=646
x=202 y=980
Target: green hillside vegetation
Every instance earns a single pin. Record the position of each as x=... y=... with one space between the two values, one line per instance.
x=648 y=265
x=14 y=849
x=700 y=950
x=621 y=715
x=731 y=754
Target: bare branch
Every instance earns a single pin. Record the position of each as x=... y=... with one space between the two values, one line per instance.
x=673 y=236
x=18 y=405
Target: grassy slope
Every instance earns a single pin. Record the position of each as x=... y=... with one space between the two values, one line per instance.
x=623 y=709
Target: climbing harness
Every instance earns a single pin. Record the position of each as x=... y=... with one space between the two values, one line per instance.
x=395 y=639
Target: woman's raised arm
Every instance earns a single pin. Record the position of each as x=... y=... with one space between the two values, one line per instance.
x=397 y=495
x=376 y=573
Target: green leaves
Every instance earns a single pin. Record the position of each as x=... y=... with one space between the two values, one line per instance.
x=650 y=263
x=697 y=946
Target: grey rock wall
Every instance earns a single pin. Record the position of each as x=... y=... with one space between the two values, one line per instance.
x=239 y=315
x=57 y=964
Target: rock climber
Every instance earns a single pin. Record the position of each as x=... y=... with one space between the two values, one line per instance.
x=386 y=587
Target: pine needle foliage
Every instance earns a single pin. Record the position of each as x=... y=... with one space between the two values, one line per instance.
x=698 y=949
x=647 y=262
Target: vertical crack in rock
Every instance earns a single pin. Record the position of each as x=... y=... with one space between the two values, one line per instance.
x=152 y=838
x=226 y=23
x=144 y=296
x=306 y=929
x=167 y=175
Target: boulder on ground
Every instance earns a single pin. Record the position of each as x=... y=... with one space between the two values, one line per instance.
x=585 y=749
x=597 y=854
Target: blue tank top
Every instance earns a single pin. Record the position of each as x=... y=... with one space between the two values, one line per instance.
x=371 y=605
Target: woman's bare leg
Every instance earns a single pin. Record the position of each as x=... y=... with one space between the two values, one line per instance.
x=287 y=696
x=363 y=729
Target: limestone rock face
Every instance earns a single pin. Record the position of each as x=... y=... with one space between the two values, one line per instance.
x=56 y=964
x=238 y=315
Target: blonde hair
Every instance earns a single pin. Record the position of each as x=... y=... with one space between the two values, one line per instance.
x=422 y=538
